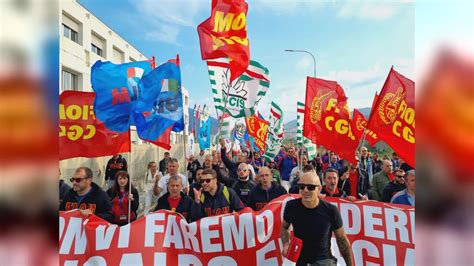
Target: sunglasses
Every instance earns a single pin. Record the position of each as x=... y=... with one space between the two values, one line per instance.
x=399 y=176
x=241 y=170
x=207 y=180
x=76 y=179
x=308 y=186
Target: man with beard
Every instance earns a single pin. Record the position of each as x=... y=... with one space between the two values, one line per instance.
x=214 y=198
x=244 y=184
x=398 y=184
x=87 y=196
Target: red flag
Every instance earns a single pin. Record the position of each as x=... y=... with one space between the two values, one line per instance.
x=327 y=120
x=393 y=118
x=224 y=34
x=81 y=134
x=359 y=126
x=164 y=140
x=257 y=128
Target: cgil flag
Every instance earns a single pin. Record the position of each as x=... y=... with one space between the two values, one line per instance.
x=327 y=118
x=81 y=133
x=224 y=35
x=393 y=116
x=244 y=93
x=359 y=127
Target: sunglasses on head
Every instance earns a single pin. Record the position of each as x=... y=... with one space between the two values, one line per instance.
x=76 y=179
x=207 y=180
x=310 y=187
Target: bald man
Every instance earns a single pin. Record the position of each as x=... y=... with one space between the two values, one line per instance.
x=381 y=180
x=313 y=222
x=265 y=191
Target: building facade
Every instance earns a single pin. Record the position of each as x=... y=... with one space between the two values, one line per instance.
x=84 y=40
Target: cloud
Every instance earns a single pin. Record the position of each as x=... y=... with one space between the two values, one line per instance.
x=163 y=33
x=286 y=7
x=164 y=19
x=368 y=9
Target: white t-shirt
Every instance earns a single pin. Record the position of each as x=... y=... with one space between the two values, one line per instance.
x=163 y=183
x=150 y=180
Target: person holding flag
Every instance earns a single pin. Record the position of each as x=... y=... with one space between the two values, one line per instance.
x=120 y=198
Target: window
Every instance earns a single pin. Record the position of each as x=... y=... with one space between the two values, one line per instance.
x=117 y=56
x=70 y=33
x=96 y=50
x=69 y=81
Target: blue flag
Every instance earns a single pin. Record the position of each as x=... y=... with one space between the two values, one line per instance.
x=204 y=136
x=160 y=105
x=117 y=91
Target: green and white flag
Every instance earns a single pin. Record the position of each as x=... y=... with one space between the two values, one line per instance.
x=300 y=139
x=275 y=132
x=244 y=93
x=228 y=124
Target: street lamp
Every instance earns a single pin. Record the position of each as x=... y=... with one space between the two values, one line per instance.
x=304 y=51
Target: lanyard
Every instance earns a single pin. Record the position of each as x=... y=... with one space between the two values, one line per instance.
x=121 y=202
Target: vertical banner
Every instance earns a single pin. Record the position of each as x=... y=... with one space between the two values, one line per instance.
x=81 y=134
x=393 y=116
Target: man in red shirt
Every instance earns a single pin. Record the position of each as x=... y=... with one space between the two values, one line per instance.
x=175 y=200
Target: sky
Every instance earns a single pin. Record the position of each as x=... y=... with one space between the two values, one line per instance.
x=354 y=42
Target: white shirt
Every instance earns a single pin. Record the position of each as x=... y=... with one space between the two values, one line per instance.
x=150 y=179
x=163 y=183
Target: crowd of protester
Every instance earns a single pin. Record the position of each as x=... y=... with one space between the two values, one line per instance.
x=223 y=182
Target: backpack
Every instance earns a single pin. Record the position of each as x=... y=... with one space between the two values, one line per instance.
x=226 y=195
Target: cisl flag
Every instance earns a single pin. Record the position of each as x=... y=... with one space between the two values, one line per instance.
x=359 y=126
x=327 y=119
x=393 y=116
x=224 y=34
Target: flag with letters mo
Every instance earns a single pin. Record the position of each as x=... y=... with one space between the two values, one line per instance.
x=224 y=35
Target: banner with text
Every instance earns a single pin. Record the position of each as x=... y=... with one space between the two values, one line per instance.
x=81 y=134
x=379 y=233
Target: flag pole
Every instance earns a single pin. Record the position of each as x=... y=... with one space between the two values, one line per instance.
x=223 y=112
x=130 y=179
x=184 y=149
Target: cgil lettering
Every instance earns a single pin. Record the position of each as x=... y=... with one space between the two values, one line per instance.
x=407 y=115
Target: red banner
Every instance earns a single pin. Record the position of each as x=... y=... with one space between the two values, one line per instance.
x=359 y=124
x=379 y=233
x=81 y=134
x=224 y=34
x=327 y=120
x=257 y=128
x=393 y=116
